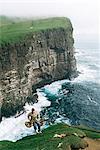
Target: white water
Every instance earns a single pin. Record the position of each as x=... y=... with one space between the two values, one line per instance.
x=13 y=129
x=86 y=58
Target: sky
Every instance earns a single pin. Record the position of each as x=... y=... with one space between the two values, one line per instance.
x=84 y=14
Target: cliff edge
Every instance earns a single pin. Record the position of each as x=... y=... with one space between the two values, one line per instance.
x=58 y=137
x=32 y=54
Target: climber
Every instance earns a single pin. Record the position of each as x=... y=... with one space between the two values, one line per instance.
x=34 y=118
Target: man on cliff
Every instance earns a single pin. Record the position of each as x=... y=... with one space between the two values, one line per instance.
x=34 y=118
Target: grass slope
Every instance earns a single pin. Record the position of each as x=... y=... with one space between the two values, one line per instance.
x=13 y=31
x=5 y=20
x=47 y=141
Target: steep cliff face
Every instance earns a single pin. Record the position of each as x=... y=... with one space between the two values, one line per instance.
x=40 y=58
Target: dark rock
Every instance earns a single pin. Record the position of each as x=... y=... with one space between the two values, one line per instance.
x=79 y=145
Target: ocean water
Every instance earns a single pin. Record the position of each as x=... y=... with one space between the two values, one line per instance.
x=73 y=102
x=77 y=100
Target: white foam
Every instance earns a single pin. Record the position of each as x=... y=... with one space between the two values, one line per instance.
x=62 y=119
x=13 y=129
x=84 y=59
x=85 y=74
x=91 y=100
x=54 y=87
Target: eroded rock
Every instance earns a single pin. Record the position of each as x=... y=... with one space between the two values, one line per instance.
x=40 y=58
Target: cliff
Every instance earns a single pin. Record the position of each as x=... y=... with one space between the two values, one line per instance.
x=33 y=59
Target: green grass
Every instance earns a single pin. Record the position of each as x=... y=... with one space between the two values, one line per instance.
x=46 y=140
x=5 y=20
x=15 y=31
x=91 y=133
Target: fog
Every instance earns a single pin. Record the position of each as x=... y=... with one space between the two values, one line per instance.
x=84 y=14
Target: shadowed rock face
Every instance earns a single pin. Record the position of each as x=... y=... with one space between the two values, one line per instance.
x=40 y=58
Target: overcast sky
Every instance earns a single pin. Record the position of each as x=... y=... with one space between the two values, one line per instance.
x=84 y=14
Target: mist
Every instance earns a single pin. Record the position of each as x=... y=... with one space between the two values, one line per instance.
x=83 y=14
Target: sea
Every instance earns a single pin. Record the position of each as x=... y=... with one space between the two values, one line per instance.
x=75 y=102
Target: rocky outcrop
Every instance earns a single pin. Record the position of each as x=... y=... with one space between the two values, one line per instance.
x=40 y=58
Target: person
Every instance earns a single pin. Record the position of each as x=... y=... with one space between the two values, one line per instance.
x=34 y=118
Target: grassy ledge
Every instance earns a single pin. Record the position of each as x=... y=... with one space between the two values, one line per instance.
x=12 y=31
x=47 y=141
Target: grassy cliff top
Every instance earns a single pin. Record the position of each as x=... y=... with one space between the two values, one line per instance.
x=12 y=30
x=47 y=141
